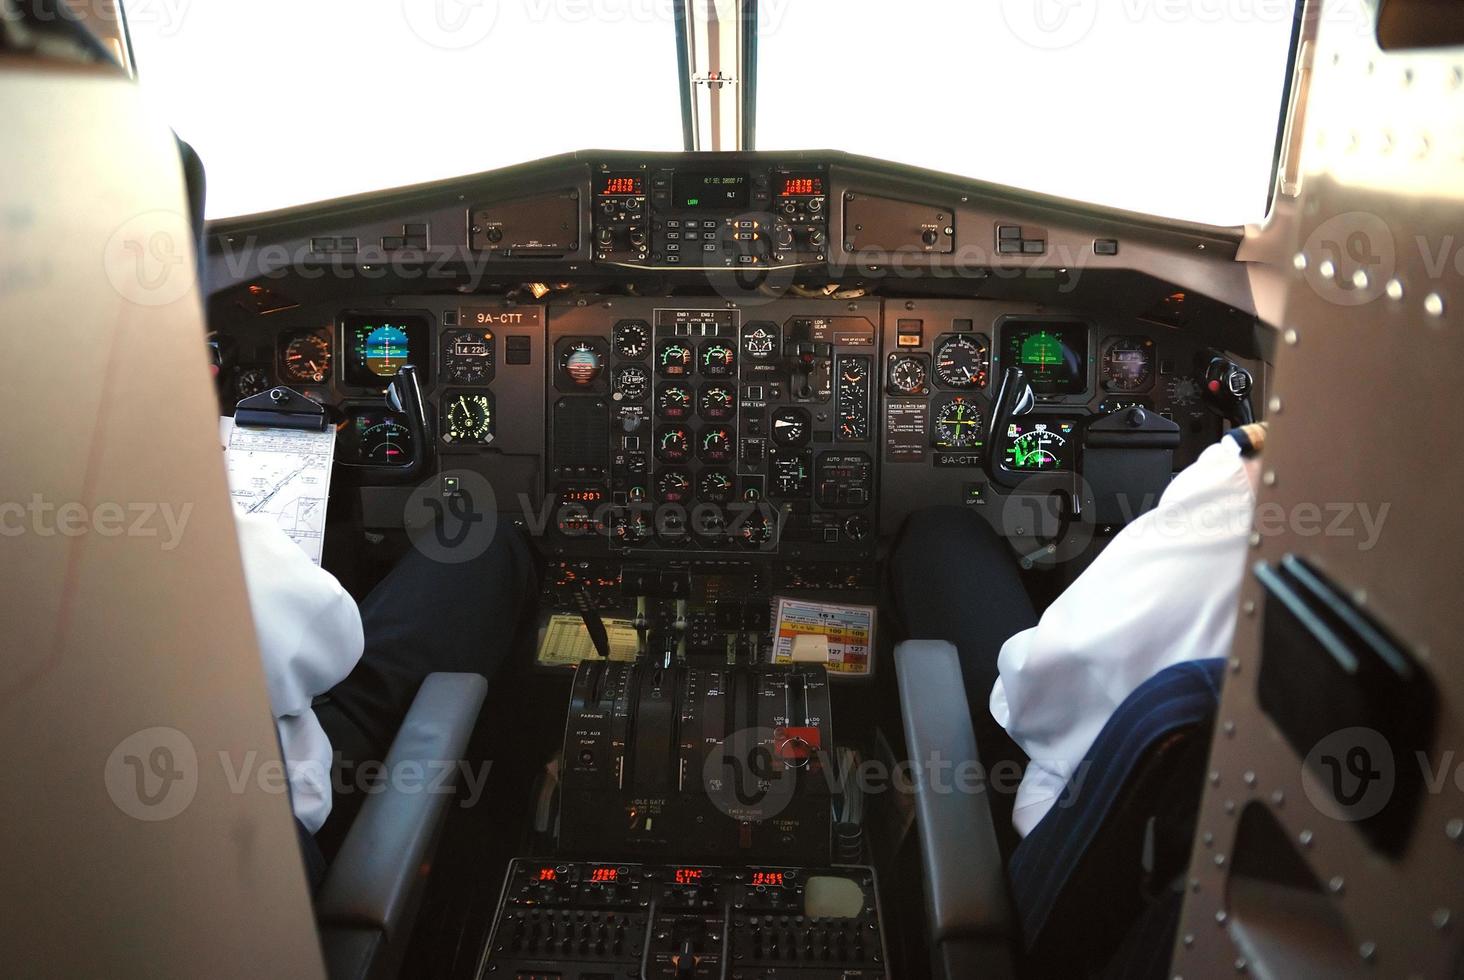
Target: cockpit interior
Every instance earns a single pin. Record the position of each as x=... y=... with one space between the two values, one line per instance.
x=734 y=558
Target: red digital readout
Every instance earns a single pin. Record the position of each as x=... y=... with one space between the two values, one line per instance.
x=611 y=184
x=581 y=495
x=799 y=186
x=688 y=876
x=548 y=874
x=769 y=879
x=605 y=874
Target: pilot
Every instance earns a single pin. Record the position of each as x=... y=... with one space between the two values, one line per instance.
x=341 y=677
x=1163 y=591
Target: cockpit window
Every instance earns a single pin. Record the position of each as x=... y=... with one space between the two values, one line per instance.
x=291 y=102
x=1169 y=108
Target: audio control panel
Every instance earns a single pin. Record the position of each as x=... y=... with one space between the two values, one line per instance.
x=711 y=217
x=578 y=920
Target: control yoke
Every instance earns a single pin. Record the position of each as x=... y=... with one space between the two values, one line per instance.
x=1014 y=397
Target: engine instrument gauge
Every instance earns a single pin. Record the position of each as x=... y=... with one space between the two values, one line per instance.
x=631 y=528
x=632 y=382
x=306 y=358
x=673 y=486
x=908 y=375
x=673 y=402
x=963 y=360
x=467 y=356
x=714 y=487
x=1039 y=445
x=582 y=363
x=467 y=417
x=717 y=403
x=632 y=339
x=791 y=427
x=718 y=359
x=853 y=399
x=673 y=359
x=1128 y=363
x=673 y=444
x=718 y=444
x=957 y=424
x=790 y=472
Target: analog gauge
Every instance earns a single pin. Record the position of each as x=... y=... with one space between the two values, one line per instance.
x=383 y=440
x=307 y=358
x=853 y=399
x=673 y=359
x=755 y=530
x=963 y=360
x=717 y=403
x=718 y=444
x=581 y=363
x=760 y=340
x=673 y=402
x=467 y=417
x=467 y=356
x=1039 y=445
x=718 y=359
x=1184 y=393
x=632 y=382
x=791 y=427
x=673 y=487
x=632 y=339
x=714 y=487
x=790 y=473
x=632 y=528
x=957 y=424
x=250 y=381
x=673 y=444
x=709 y=524
x=1128 y=363
x=908 y=375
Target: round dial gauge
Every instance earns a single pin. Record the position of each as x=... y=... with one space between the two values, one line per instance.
x=709 y=524
x=467 y=416
x=718 y=444
x=957 y=424
x=250 y=381
x=1183 y=391
x=307 y=358
x=755 y=530
x=385 y=441
x=1128 y=363
x=714 y=487
x=790 y=474
x=673 y=359
x=908 y=375
x=963 y=361
x=717 y=403
x=760 y=340
x=673 y=486
x=467 y=356
x=1038 y=448
x=632 y=339
x=581 y=363
x=718 y=359
x=673 y=402
x=673 y=444
x=631 y=529
x=632 y=381
x=791 y=426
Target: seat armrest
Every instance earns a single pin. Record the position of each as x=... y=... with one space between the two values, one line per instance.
x=371 y=882
x=968 y=907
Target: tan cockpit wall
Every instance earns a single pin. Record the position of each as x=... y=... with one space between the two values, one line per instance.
x=145 y=828
x=1360 y=267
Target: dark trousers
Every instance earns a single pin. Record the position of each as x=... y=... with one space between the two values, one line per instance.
x=425 y=616
x=954 y=578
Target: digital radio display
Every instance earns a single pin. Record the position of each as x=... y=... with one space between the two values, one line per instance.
x=767 y=879
x=605 y=875
x=612 y=184
x=800 y=185
x=722 y=190
x=688 y=876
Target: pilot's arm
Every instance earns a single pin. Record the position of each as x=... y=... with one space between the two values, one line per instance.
x=310 y=638
x=1162 y=592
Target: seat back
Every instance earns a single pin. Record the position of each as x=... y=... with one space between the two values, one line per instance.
x=147 y=830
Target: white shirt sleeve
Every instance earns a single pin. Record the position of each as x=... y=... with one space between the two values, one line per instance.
x=1163 y=591
x=310 y=638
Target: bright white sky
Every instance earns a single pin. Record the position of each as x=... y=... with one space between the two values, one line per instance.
x=1163 y=106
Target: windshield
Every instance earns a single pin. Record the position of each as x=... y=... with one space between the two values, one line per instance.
x=1168 y=107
